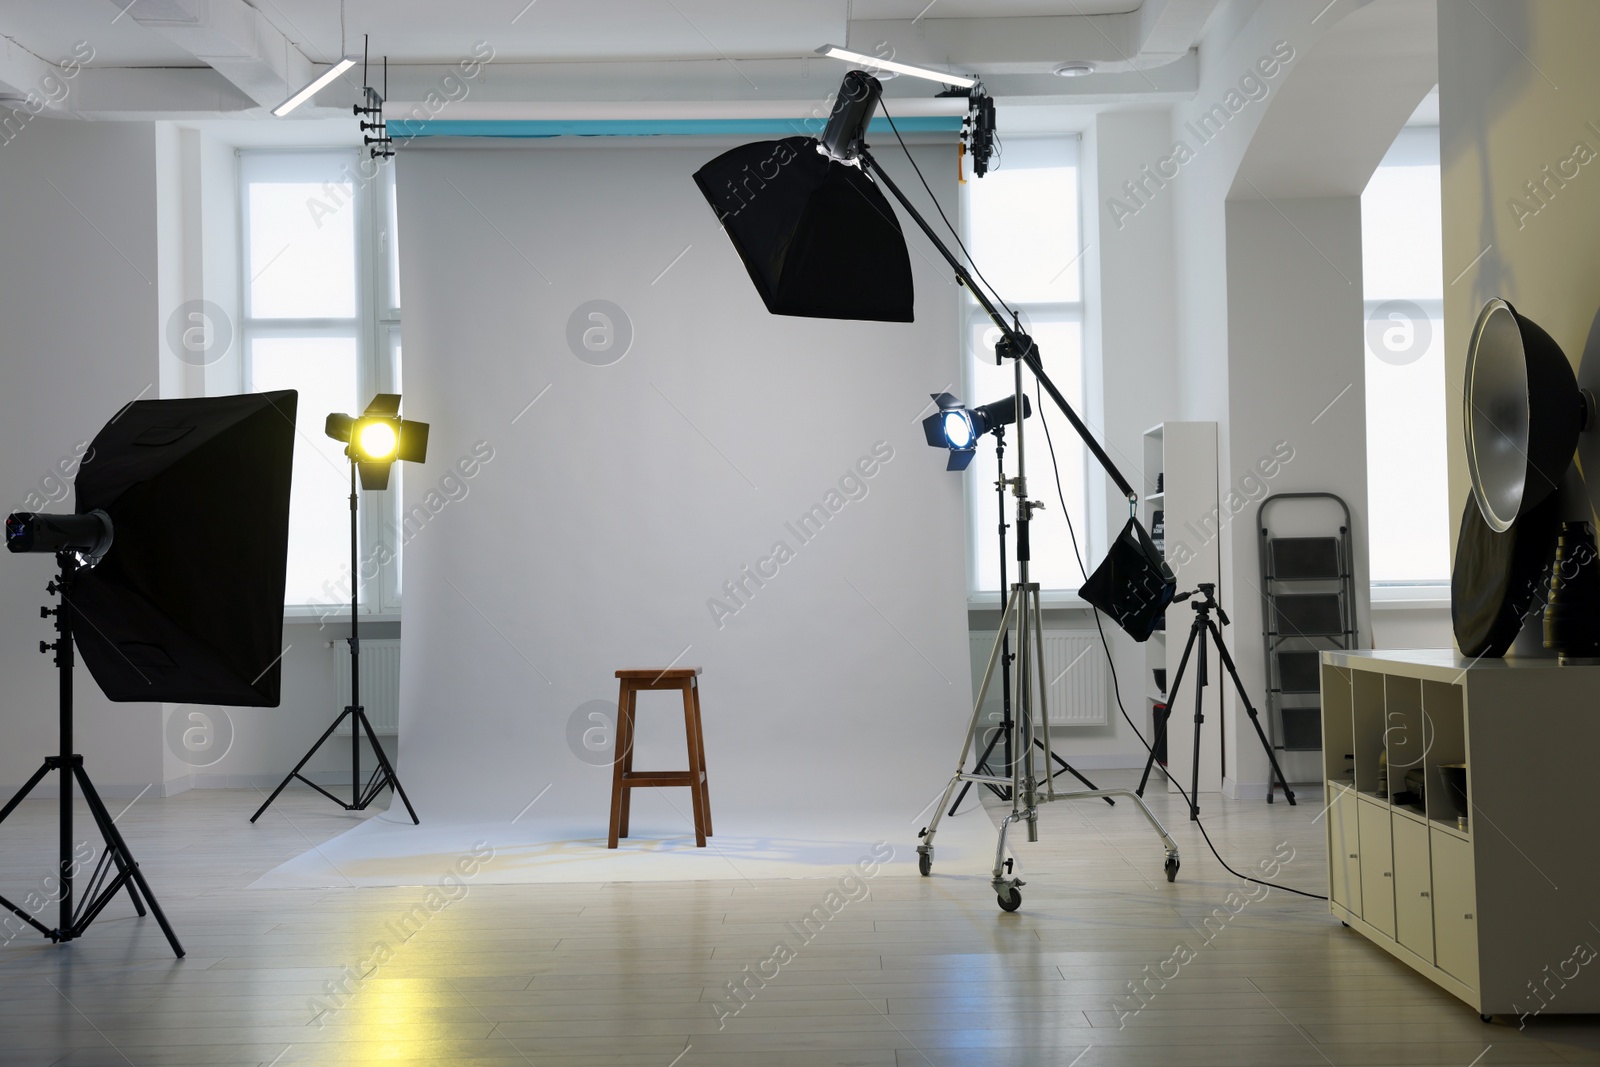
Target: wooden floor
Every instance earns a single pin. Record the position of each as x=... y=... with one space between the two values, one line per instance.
x=911 y=971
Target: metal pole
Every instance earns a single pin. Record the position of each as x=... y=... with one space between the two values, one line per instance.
x=355 y=650
x=64 y=661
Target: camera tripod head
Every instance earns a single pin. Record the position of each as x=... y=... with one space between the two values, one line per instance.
x=1205 y=600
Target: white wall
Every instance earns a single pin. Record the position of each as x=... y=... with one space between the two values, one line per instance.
x=619 y=505
x=78 y=299
x=1515 y=98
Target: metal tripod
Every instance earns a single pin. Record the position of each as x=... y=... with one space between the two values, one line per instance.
x=1205 y=602
x=383 y=775
x=1024 y=783
x=74 y=921
x=1002 y=734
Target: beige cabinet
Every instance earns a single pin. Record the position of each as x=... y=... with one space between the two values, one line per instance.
x=1376 y=863
x=1413 y=886
x=1455 y=907
x=1344 y=856
x=1453 y=787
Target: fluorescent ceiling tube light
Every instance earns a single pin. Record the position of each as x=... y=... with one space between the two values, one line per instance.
x=315 y=87
x=902 y=68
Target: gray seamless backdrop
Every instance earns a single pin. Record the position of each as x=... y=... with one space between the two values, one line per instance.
x=624 y=499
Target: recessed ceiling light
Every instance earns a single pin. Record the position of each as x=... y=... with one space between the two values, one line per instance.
x=1074 y=70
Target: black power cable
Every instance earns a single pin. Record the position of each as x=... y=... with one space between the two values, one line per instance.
x=1112 y=664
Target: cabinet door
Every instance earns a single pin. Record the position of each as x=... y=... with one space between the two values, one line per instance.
x=1413 y=887
x=1377 y=865
x=1455 y=911
x=1344 y=862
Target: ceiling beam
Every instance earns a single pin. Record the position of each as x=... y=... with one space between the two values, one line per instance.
x=26 y=76
x=232 y=38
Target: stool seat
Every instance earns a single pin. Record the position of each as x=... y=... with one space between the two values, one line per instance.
x=624 y=779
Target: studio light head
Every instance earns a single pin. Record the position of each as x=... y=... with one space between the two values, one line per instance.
x=853 y=109
x=957 y=428
x=378 y=437
x=88 y=536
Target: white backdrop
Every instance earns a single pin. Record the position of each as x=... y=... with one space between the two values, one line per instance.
x=617 y=505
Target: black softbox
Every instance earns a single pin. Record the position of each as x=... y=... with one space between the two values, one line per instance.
x=187 y=605
x=818 y=237
x=1133 y=584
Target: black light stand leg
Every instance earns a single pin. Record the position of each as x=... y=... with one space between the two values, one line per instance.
x=20 y=795
x=1199 y=720
x=292 y=775
x=1227 y=663
x=390 y=778
x=127 y=866
x=1172 y=696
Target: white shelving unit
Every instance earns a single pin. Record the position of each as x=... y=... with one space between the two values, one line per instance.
x=1185 y=455
x=1489 y=894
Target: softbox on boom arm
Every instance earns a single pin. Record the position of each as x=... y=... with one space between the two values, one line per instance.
x=818 y=238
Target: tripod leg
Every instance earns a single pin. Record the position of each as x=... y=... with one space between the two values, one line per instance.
x=1255 y=720
x=115 y=842
x=982 y=765
x=1199 y=720
x=11 y=805
x=303 y=761
x=1172 y=697
x=972 y=726
x=388 y=768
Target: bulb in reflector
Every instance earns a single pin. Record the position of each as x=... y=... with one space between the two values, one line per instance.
x=377 y=440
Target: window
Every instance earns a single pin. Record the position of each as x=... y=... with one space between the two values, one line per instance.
x=1407 y=486
x=321 y=315
x=1021 y=223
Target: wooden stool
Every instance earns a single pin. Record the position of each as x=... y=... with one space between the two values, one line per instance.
x=624 y=778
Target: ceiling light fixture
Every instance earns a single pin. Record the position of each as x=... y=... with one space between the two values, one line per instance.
x=1074 y=70
x=316 y=86
x=835 y=52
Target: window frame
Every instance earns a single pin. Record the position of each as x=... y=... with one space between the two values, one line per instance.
x=978 y=485
x=376 y=329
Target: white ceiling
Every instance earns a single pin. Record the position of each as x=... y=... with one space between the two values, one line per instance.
x=419 y=31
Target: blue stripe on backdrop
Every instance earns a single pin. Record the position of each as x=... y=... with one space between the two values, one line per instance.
x=402 y=129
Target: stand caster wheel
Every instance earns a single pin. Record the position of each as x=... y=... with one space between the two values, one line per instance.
x=1010 y=900
x=1344 y=924
x=925 y=863
x=1171 y=868
x=1486 y=1018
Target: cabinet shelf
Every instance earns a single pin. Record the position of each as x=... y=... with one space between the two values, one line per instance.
x=1415 y=741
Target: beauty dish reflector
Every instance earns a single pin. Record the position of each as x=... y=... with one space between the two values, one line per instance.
x=1523 y=414
x=1497 y=575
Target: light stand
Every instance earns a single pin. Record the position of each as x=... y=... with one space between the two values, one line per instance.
x=98 y=892
x=383 y=775
x=1205 y=602
x=1003 y=733
x=1023 y=606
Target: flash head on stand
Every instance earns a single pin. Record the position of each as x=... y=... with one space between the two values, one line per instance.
x=87 y=535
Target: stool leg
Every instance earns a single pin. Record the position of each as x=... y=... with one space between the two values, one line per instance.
x=696 y=787
x=700 y=743
x=626 y=762
x=616 y=764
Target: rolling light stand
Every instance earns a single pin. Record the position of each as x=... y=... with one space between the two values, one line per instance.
x=98 y=892
x=383 y=775
x=1004 y=730
x=1205 y=602
x=1022 y=605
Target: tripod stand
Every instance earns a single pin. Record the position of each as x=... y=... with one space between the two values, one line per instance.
x=1003 y=733
x=383 y=775
x=74 y=921
x=1205 y=602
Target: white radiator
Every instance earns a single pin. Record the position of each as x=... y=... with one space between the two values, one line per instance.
x=380 y=681
x=1077 y=684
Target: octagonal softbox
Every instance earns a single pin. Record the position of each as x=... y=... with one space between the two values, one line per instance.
x=817 y=237
x=187 y=605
